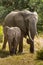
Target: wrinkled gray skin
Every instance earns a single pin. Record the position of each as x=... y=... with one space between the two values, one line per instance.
x=14 y=38
x=27 y=22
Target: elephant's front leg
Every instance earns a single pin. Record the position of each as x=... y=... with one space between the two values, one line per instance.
x=32 y=46
x=21 y=45
x=10 y=48
x=31 y=42
x=14 y=47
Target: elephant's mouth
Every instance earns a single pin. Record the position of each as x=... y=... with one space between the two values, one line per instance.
x=29 y=41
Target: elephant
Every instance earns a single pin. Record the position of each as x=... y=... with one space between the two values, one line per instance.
x=13 y=37
x=27 y=22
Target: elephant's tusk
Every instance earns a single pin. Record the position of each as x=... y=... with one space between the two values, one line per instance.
x=37 y=35
x=30 y=36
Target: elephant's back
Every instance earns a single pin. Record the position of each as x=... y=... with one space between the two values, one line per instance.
x=16 y=31
x=8 y=21
x=15 y=19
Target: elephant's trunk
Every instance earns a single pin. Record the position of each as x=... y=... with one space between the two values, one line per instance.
x=31 y=42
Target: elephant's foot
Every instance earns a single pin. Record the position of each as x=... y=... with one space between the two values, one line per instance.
x=20 y=48
x=29 y=41
x=32 y=50
x=32 y=47
x=12 y=52
x=20 y=51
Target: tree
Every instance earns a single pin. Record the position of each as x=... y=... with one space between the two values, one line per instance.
x=7 y=6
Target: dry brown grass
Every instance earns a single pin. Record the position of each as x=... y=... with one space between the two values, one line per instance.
x=25 y=58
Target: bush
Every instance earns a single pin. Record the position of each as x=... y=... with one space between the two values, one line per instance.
x=40 y=54
x=1 y=38
x=1 y=34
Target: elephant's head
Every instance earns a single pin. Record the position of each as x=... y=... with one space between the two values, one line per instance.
x=9 y=32
x=33 y=25
x=31 y=19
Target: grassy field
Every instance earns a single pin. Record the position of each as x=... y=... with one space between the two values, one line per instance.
x=25 y=58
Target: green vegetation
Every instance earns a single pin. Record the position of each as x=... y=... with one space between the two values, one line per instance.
x=7 y=6
x=1 y=34
x=40 y=54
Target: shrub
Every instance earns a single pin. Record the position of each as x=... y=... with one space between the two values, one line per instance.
x=40 y=54
x=1 y=34
x=1 y=38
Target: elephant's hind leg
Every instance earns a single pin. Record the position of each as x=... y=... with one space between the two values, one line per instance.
x=4 y=44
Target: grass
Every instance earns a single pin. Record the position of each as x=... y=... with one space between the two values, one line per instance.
x=25 y=58
x=40 y=54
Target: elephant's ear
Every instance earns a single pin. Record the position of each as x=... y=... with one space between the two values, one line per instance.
x=6 y=27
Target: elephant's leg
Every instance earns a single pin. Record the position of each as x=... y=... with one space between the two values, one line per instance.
x=32 y=44
x=14 y=45
x=14 y=48
x=29 y=41
x=10 y=49
x=5 y=38
x=5 y=41
x=21 y=45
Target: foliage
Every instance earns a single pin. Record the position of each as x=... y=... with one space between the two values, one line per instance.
x=40 y=54
x=1 y=34
x=33 y=5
